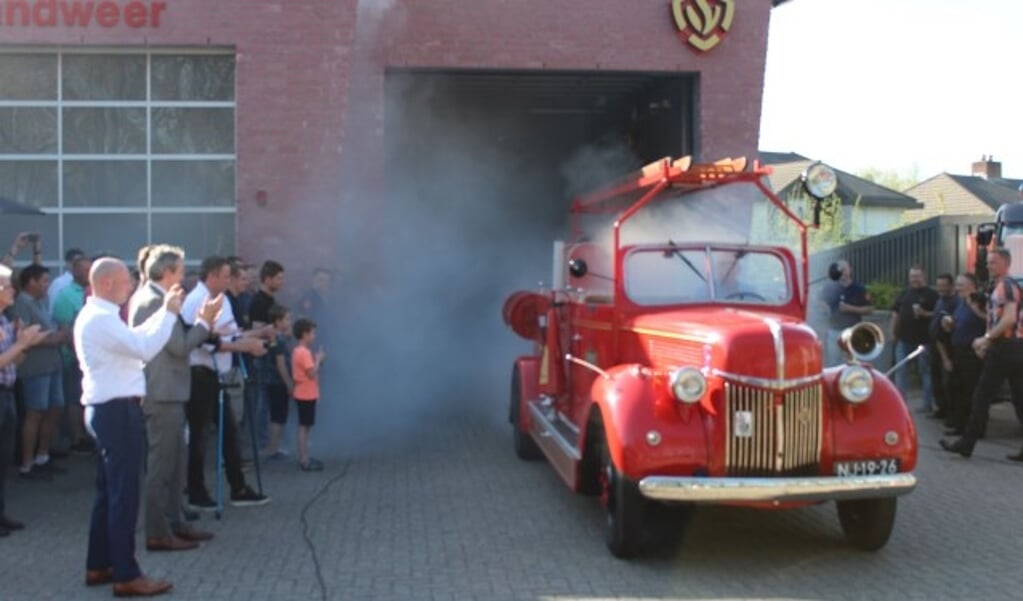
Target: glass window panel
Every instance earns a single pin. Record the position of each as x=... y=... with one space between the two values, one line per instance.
x=28 y=77
x=193 y=131
x=193 y=183
x=200 y=234
x=105 y=130
x=31 y=182
x=28 y=130
x=117 y=235
x=44 y=225
x=105 y=184
x=193 y=77
x=104 y=77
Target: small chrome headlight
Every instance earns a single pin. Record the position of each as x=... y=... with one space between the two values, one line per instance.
x=856 y=383
x=688 y=385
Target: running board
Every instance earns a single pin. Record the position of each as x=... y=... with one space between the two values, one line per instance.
x=558 y=442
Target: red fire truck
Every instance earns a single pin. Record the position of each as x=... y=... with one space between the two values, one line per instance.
x=672 y=365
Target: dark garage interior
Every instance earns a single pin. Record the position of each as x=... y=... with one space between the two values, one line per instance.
x=480 y=170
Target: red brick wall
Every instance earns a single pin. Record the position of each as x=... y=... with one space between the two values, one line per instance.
x=595 y=35
x=296 y=59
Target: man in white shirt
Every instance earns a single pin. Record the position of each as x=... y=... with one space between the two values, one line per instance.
x=209 y=362
x=113 y=383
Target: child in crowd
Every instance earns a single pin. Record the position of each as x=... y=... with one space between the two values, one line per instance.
x=277 y=379
x=305 y=368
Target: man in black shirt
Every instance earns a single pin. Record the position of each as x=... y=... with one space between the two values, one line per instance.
x=271 y=279
x=940 y=376
x=911 y=318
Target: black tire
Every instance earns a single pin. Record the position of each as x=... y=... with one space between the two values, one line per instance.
x=624 y=507
x=524 y=445
x=867 y=523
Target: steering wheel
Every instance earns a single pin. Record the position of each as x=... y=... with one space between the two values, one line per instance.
x=741 y=294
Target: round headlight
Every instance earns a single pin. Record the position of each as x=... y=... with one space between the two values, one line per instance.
x=856 y=384
x=820 y=180
x=688 y=385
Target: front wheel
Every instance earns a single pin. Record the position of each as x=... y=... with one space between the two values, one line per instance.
x=867 y=523
x=623 y=509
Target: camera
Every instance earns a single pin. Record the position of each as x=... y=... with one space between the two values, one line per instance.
x=32 y=238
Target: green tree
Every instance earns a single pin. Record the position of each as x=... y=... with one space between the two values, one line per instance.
x=890 y=178
x=834 y=229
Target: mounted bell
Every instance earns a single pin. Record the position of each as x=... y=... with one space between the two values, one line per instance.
x=862 y=342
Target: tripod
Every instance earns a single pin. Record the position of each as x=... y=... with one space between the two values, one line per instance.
x=221 y=394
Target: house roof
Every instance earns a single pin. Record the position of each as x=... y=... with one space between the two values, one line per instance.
x=774 y=158
x=993 y=193
x=851 y=188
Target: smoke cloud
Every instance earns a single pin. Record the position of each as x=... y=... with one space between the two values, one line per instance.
x=472 y=204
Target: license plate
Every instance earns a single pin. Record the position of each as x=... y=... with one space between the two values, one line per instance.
x=869 y=467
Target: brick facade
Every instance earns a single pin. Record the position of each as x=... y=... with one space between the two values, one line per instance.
x=299 y=67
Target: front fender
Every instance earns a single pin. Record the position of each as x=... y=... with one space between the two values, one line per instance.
x=859 y=431
x=527 y=372
x=627 y=400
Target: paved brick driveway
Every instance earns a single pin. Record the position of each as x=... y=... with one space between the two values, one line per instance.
x=452 y=515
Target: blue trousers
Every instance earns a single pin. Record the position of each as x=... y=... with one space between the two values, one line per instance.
x=118 y=428
x=8 y=422
x=923 y=369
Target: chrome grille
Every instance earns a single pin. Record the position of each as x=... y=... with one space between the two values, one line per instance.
x=765 y=437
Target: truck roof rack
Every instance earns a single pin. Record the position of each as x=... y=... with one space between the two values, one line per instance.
x=678 y=173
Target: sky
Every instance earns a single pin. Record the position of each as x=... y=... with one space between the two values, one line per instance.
x=917 y=87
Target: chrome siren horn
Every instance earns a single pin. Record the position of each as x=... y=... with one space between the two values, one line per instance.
x=863 y=341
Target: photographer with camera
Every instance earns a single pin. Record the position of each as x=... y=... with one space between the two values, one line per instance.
x=1000 y=349
x=209 y=363
x=848 y=301
x=21 y=241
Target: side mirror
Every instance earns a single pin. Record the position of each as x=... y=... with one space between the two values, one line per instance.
x=577 y=268
x=985 y=232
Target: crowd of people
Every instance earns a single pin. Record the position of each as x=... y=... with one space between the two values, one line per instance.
x=135 y=365
x=970 y=342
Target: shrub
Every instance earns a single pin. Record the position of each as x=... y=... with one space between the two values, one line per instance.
x=883 y=295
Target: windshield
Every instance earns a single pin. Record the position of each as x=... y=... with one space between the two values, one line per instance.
x=669 y=275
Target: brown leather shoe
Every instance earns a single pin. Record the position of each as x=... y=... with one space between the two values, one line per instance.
x=98 y=577
x=170 y=543
x=191 y=534
x=141 y=587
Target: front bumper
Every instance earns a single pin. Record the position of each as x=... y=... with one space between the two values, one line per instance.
x=729 y=490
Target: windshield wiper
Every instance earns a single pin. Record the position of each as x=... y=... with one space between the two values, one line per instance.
x=739 y=254
x=678 y=253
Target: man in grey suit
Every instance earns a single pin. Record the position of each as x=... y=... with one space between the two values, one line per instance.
x=168 y=385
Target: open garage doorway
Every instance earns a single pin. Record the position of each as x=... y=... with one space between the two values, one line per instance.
x=521 y=144
x=480 y=168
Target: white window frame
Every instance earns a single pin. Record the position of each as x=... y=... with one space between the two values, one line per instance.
x=149 y=104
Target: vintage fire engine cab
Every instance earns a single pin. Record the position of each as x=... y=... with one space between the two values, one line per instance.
x=677 y=369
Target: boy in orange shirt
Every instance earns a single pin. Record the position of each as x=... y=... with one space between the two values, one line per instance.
x=305 y=368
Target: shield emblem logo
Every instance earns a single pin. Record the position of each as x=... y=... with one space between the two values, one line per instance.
x=703 y=23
